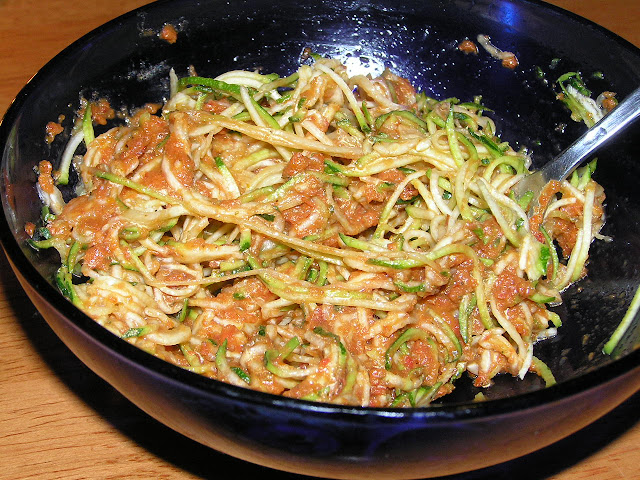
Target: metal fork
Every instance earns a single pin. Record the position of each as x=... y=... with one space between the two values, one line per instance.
x=560 y=167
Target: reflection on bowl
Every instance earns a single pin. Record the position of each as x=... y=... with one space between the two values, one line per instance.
x=417 y=40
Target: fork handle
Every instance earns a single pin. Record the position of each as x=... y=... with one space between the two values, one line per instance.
x=615 y=121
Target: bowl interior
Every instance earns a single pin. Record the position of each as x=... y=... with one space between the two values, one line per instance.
x=127 y=63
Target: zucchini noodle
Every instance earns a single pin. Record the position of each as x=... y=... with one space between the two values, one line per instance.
x=335 y=239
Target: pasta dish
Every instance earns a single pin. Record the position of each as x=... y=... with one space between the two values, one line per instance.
x=318 y=236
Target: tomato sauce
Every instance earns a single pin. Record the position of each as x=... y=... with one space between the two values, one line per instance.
x=101 y=111
x=467 y=47
x=53 y=129
x=509 y=289
x=169 y=33
x=300 y=163
x=45 y=179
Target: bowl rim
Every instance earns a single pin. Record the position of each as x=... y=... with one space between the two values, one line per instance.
x=460 y=411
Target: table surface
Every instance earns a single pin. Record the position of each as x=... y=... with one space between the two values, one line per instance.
x=59 y=420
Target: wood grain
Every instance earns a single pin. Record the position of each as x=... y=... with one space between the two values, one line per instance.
x=60 y=421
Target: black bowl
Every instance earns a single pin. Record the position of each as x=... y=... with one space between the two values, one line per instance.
x=126 y=61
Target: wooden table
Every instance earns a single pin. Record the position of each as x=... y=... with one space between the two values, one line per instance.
x=60 y=421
